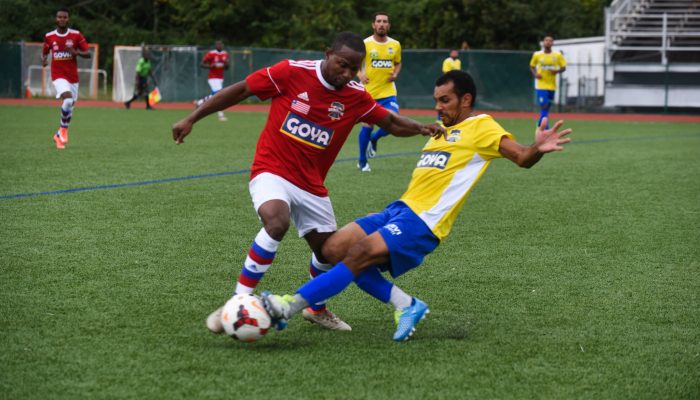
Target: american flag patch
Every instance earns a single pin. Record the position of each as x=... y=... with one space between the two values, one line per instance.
x=300 y=107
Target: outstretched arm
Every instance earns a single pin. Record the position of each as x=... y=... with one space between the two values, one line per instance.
x=546 y=140
x=223 y=99
x=402 y=126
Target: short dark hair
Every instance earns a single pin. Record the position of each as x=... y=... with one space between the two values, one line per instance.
x=64 y=9
x=349 y=39
x=463 y=83
x=374 y=17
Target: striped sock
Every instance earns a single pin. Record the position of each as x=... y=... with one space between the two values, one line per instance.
x=66 y=112
x=317 y=268
x=260 y=256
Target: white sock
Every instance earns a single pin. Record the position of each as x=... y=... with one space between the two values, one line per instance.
x=399 y=299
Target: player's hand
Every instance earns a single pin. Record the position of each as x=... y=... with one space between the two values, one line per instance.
x=548 y=140
x=392 y=77
x=44 y=61
x=364 y=80
x=181 y=129
x=433 y=129
x=538 y=76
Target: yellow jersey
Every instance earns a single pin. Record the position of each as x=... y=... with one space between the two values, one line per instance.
x=449 y=64
x=545 y=63
x=379 y=65
x=449 y=168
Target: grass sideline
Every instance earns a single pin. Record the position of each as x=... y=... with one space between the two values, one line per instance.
x=576 y=279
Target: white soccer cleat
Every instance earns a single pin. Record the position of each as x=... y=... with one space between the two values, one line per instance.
x=214 y=321
x=326 y=319
x=366 y=168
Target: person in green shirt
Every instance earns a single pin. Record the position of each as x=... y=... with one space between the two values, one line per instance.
x=144 y=69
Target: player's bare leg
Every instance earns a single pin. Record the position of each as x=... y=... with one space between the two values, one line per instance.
x=319 y=313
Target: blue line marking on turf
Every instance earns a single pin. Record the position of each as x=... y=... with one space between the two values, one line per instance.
x=244 y=171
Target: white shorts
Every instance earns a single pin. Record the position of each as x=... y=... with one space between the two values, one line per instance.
x=308 y=211
x=216 y=84
x=61 y=85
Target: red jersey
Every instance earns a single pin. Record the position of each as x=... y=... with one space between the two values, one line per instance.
x=216 y=60
x=308 y=123
x=63 y=64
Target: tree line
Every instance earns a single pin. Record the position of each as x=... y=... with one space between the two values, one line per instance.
x=306 y=24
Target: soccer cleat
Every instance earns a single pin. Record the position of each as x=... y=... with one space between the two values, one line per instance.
x=326 y=319
x=58 y=141
x=278 y=308
x=222 y=118
x=407 y=319
x=214 y=321
x=364 y=168
x=63 y=135
x=127 y=105
x=372 y=149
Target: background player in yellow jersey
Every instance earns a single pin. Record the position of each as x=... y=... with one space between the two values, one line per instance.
x=545 y=65
x=379 y=71
x=452 y=62
x=397 y=239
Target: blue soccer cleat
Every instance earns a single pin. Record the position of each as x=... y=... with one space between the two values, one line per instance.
x=408 y=318
x=277 y=307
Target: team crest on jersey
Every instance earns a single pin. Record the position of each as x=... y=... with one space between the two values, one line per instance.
x=305 y=131
x=69 y=43
x=374 y=54
x=434 y=159
x=390 y=50
x=54 y=45
x=453 y=135
x=336 y=110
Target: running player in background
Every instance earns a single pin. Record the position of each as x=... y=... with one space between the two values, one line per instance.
x=216 y=61
x=397 y=239
x=144 y=70
x=315 y=105
x=65 y=45
x=545 y=65
x=381 y=67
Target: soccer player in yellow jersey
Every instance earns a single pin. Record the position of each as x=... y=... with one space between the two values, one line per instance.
x=545 y=65
x=452 y=62
x=380 y=69
x=397 y=239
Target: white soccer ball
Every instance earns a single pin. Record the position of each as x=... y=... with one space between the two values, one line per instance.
x=245 y=319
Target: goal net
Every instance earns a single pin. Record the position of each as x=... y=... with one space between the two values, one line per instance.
x=176 y=68
x=37 y=79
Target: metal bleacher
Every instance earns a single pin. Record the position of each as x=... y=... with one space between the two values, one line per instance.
x=653 y=53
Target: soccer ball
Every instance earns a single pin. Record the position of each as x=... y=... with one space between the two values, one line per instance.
x=245 y=319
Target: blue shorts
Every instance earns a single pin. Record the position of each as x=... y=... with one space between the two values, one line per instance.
x=408 y=238
x=544 y=97
x=389 y=103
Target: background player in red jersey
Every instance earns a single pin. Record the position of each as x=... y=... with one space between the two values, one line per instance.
x=64 y=44
x=217 y=61
x=315 y=105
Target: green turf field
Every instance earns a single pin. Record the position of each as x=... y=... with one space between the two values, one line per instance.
x=578 y=278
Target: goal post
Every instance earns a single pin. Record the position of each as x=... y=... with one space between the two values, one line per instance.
x=124 y=71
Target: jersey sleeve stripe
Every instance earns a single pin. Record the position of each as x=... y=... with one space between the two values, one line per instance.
x=272 y=80
x=368 y=111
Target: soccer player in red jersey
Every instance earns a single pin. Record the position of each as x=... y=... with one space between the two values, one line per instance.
x=216 y=61
x=315 y=105
x=65 y=45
